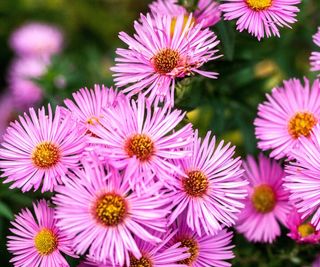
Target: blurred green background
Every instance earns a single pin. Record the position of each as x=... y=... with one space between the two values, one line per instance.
x=227 y=106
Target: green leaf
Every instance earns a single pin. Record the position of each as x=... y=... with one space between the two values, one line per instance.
x=5 y=211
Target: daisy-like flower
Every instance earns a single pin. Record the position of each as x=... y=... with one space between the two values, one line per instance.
x=290 y=112
x=204 y=250
x=303 y=177
x=39 y=149
x=37 y=40
x=163 y=49
x=140 y=139
x=88 y=105
x=261 y=17
x=267 y=203
x=211 y=187
x=36 y=240
x=101 y=212
x=300 y=230
x=207 y=12
x=315 y=56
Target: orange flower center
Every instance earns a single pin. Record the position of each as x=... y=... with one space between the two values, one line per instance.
x=46 y=155
x=193 y=250
x=263 y=198
x=141 y=146
x=301 y=124
x=306 y=229
x=259 y=4
x=110 y=209
x=196 y=184
x=45 y=242
x=166 y=60
x=142 y=262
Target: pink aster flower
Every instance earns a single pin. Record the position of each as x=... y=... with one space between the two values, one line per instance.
x=204 y=250
x=163 y=49
x=36 y=240
x=37 y=40
x=140 y=139
x=88 y=105
x=39 y=148
x=101 y=212
x=303 y=177
x=267 y=203
x=261 y=17
x=300 y=230
x=210 y=188
x=290 y=112
x=315 y=56
x=207 y=12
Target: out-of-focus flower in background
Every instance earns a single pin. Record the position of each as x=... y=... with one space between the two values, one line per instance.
x=315 y=56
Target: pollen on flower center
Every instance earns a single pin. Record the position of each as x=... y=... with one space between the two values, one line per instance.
x=259 y=4
x=142 y=262
x=196 y=184
x=301 y=124
x=110 y=209
x=46 y=242
x=306 y=229
x=263 y=198
x=166 y=60
x=93 y=120
x=46 y=155
x=193 y=250
x=141 y=146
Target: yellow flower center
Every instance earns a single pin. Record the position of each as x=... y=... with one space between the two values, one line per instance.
x=141 y=146
x=196 y=184
x=263 y=198
x=259 y=4
x=185 y=20
x=142 y=262
x=110 y=209
x=46 y=155
x=306 y=229
x=301 y=124
x=93 y=120
x=46 y=242
x=193 y=250
x=166 y=60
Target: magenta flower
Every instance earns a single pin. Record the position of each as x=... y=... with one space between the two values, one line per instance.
x=163 y=49
x=315 y=56
x=267 y=203
x=303 y=177
x=210 y=188
x=204 y=250
x=316 y=262
x=261 y=17
x=289 y=113
x=207 y=12
x=300 y=230
x=36 y=240
x=38 y=150
x=37 y=40
x=140 y=139
x=101 y=212
x=88 y=105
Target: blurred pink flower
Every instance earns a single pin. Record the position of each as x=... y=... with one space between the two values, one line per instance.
x=261 y=17
x=8 y=113
x=315 y=56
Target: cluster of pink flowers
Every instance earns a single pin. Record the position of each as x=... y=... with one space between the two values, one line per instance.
x=134 y=184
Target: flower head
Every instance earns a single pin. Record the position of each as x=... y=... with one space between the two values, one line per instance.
x=36 y=39
x=302 y=178
x=37 y=241
x=267 y=203
x=210 y=188
x=300 y=230
x=290 y=112
x=160 y=52
x=140 y=139
x=39 y=148
x=101 y=212
x=207 y=12
x=315 y=56
x=261 y=17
